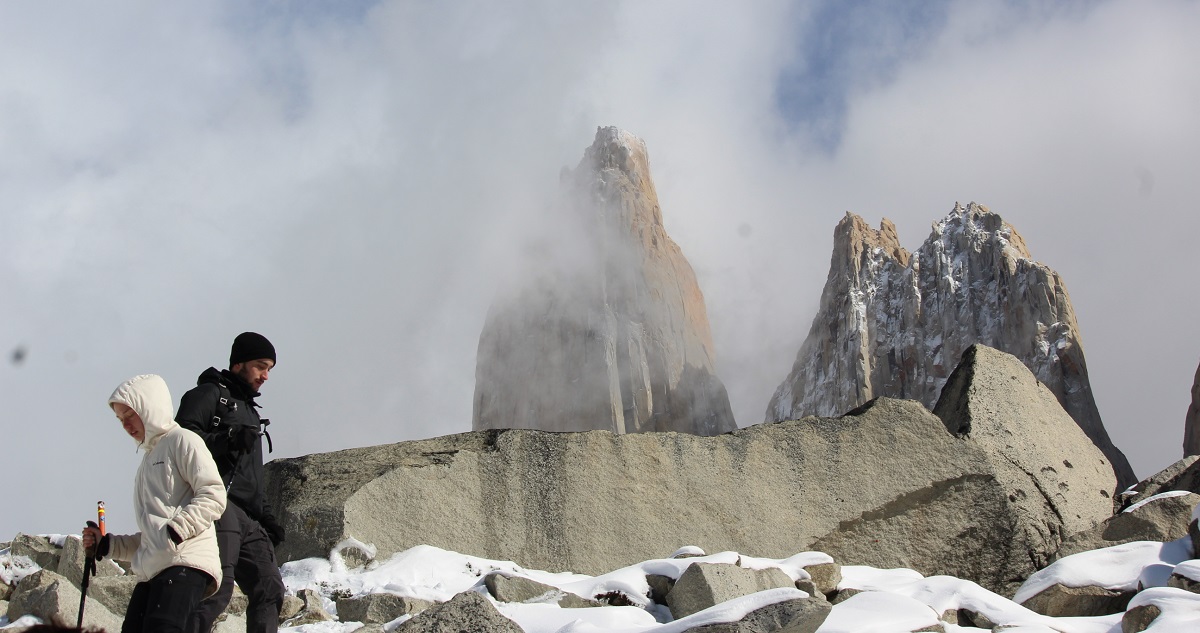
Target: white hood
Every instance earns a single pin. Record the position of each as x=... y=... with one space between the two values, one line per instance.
x=149 y=397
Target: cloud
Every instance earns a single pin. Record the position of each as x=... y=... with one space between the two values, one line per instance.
x=356 y=183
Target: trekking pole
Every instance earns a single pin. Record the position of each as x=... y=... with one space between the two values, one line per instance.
x=89 y=562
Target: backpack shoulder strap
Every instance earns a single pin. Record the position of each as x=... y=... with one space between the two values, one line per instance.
x=226 y=405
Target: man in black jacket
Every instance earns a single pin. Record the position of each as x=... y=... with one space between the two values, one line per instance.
x=221 y=409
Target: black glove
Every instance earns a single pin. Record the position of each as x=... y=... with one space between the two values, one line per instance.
x=274 y=530
x=102 y=547
x=174 y=536
x=242 y=439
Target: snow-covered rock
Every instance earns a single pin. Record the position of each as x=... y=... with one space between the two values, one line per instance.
x=1163 y=610
x=1163 y=517
x=1101 y=581
x=1181 y=475
x=704 y=585
x=467 y=611
x=895 y=324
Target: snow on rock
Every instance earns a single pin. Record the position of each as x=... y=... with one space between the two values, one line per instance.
x=1179 y=609
x=1164 y=495
x=1189 y=569
x=1118 y=568
x=878 y=612
x=15 y=567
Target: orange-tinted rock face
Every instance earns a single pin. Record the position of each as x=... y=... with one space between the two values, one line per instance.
x=895 y=324
x=611 y=332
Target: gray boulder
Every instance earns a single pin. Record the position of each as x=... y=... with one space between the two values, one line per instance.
x=378 y=608
x=1139 y=618
x=517 y=589
x=38 y=549
x=239 y=602
x=292 y=605
x=1182 y=475
x=1184 y=583
x=70 y=563
x=112 y=591
x=825 y=577
x=804 y=615
x=885 y=485
x=46 y=595
x=313 y=611
x=1163 y=519
x=467 y=611
x=1061 y=601
x=230 y=623
x=703 y=585
x=993 y=399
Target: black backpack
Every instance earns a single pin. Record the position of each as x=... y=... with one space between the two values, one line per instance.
x=227 y=405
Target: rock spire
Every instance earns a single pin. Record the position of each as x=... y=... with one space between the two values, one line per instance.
x=895 y=324
x=1191 y=424
x=610 y=330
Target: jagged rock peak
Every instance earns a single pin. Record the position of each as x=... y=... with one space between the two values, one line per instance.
x=610 y=330
x=855 y=238
x=891 y=324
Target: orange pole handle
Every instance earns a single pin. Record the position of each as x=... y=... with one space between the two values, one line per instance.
x=100 y=517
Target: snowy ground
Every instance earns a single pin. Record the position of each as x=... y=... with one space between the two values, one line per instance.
x=893 y=600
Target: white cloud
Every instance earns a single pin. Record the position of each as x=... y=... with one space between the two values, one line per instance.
x=356 y=185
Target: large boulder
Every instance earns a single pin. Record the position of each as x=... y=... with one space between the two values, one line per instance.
x=55 y=600
x=467 y=611
x=800 y=615
x=1182 y=475
x=378 y=608
x=112 y=591
x=992 y=398
x=505 y=588
x=36 y=548
x=1161 y=518
x=1061 y=601
x=893 y=323
x=886 y=485
x=71 y=560
x=703 y=585
x=608 y=328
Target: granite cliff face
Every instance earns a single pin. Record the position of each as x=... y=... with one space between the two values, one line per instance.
x=895 y=324
x=1191 y=424
x=610 y=330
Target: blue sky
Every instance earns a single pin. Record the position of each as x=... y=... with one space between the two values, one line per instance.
x=357 y=183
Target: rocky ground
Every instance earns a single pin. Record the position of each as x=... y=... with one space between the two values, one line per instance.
x=1136 y=585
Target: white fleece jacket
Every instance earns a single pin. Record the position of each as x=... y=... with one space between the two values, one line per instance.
x=176 y=485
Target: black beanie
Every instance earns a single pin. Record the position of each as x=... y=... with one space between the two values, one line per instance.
x=250 y=346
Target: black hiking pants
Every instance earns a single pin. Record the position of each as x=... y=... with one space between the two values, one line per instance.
x=248 y=557
x=166 y=602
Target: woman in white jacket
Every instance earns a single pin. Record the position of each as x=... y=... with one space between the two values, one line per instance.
x=177 y=494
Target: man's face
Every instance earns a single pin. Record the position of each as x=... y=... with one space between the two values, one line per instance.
x=254 y=372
